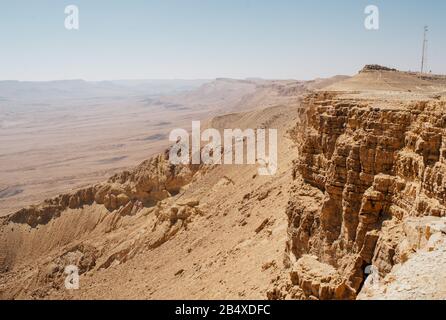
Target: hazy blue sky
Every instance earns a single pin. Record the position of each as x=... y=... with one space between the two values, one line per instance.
x=214 y=38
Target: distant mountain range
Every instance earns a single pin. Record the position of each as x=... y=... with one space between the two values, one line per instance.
x=80 y=89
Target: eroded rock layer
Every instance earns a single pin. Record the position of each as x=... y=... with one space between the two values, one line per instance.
x=364 y=167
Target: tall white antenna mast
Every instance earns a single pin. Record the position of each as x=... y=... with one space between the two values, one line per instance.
x=423 y=58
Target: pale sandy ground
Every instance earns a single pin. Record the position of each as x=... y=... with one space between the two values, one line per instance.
x=47 y=153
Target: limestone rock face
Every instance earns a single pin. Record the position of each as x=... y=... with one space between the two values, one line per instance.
x=319 y=280
x=362 y=170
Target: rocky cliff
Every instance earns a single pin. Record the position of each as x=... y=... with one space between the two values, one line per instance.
x=365 y=167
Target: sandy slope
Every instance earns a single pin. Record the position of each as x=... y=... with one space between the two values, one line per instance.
x=220 y=255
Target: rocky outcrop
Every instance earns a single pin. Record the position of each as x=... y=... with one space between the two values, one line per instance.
x=376 y=67
x=419 y=270
x=319 y=280
x=126 y=192
x=364 y=167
